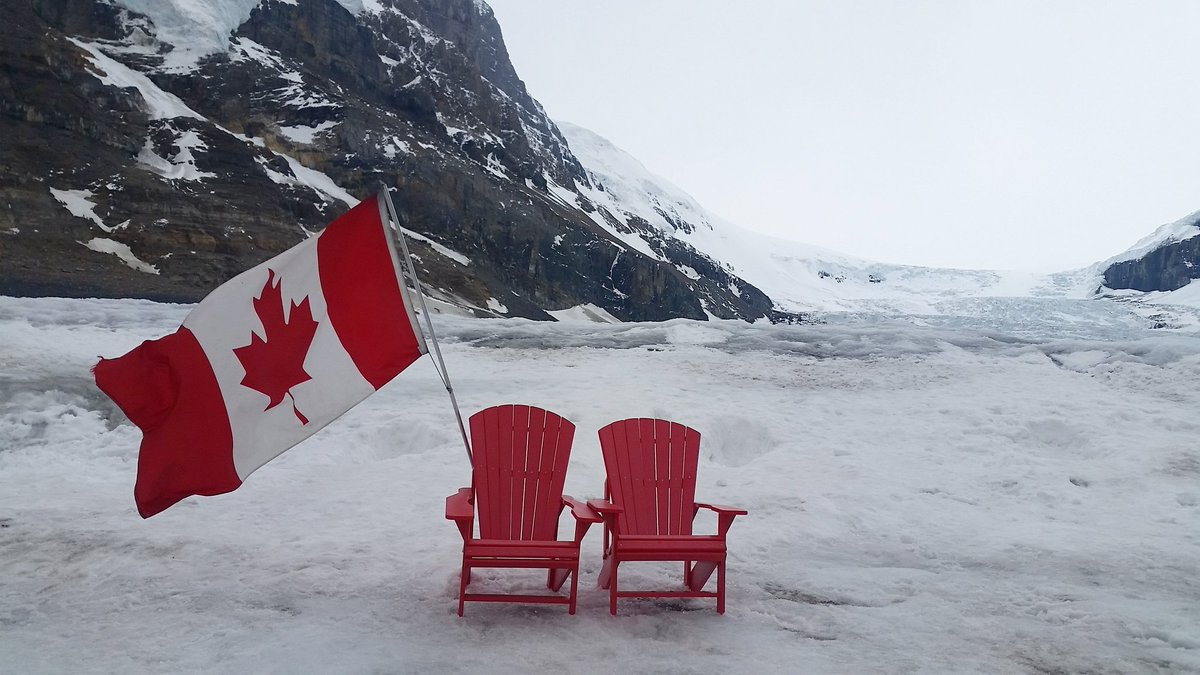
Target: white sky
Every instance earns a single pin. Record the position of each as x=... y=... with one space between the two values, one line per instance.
x=1007 y=134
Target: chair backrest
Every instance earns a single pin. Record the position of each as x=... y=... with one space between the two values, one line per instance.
x=520 y=456
x=651 y=467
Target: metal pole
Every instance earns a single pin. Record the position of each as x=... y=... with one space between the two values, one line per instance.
x=437 y=350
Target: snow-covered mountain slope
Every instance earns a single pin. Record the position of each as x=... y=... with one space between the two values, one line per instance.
x=805 y=278
x=1171 y=233
x=797 y=276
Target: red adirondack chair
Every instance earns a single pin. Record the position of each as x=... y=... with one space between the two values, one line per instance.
x=649 y=507
x=520 y=463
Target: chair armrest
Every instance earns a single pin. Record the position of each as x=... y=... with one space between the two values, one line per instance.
x=604 y=507
x=460 y=507
x=584 y=516
x=580 y=510
x=725 y=515
x=609 y=512
x=732 y=510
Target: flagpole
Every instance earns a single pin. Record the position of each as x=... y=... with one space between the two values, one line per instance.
x=437 y=350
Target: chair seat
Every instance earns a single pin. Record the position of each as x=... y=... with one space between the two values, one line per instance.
x=670 y=547
x=506 y=548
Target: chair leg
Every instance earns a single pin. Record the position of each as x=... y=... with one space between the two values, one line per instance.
x=687 y=573
x=721 y=587
x=612 y=589
x=606 y=571
x=574 y=588
x=556 y=577
x=464 y=579
x=700 y=573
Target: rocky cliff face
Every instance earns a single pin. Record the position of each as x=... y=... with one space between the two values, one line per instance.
x=1168 y=265
x=135 y=165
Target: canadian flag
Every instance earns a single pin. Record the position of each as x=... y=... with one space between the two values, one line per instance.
x=266 y=360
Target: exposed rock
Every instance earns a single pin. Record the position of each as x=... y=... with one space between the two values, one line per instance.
x=183 y=194
x=1167 y=268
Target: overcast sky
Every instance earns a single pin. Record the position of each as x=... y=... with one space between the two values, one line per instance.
x=1008 y=135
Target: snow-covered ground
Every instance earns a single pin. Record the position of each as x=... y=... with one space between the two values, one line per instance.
x=944 y=498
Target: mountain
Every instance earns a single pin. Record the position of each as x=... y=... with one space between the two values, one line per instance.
x=155 y=148
x=805 y=280
x=1167 y=260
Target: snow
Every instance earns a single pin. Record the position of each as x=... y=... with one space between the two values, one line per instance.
x=160 y=104
x=395 y=146
x=197 y=29
x=181 y=166
x=1188 y=295
x=440 y=248
x=320 y=182
x=941 y=498
x=494 y=167
x=122 y=251
x=496 y=306
x=194 y=29
x=307 y=134
x=585 y=312
x=295 y=94
x=79 y=203
x=570 y=198
x=243 y=48
x=485 y=137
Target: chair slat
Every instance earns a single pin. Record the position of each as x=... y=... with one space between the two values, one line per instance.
x=516 y=475
x=673 y=445
x=544 y=496
x=636 y=489
x=533 y=463
x=486 y=458
x=613 y=452
x=559 y=434
x=607 y=448
x=691 y=460
x=478 y=423
x=662 y=459
x=509 y=437
x=635 y=512
x=646 y=490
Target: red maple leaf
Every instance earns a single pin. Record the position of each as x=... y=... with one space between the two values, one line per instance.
x=275 y=364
